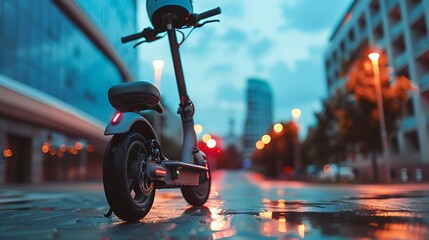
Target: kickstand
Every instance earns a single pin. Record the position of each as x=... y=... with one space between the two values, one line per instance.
x=109 y=213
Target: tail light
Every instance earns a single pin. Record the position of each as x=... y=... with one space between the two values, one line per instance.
x=117 y=118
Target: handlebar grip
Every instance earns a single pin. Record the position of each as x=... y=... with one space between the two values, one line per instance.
x=131 y=37
x=209 y=13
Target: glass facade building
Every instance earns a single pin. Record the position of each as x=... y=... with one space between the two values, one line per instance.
x=45 y=54
x=259 y=114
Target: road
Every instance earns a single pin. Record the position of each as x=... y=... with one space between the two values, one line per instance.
x=242 y=206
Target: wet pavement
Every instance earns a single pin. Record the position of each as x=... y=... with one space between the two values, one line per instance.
x=241 y=206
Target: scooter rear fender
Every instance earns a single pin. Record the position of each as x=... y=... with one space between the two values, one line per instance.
x=131 y=121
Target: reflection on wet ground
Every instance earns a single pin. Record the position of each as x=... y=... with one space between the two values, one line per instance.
x=241 y=206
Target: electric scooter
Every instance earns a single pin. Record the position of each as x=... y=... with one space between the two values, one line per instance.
x=134 y=165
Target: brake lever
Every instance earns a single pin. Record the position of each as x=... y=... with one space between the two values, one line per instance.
x=206 y=22
x=148 y=40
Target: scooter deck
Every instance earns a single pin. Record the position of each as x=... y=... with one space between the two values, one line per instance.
x=182 y=174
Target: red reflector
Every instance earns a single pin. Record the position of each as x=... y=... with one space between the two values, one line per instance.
x=116 y=118
x=160 y=172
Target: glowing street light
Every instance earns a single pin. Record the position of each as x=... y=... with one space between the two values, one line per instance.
x=260 y=145
x=157 y=67
x=374 y=60
x=296 y=113
x=266 y=139
x=211 y=143
x=278 y=127
x=198 y=128
x=206 y=138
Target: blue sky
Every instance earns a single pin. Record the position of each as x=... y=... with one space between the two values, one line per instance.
x=281 y=42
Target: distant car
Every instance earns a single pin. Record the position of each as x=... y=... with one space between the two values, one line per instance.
x=330 y=172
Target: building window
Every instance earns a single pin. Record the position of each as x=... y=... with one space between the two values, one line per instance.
x=425 y=100
x=378 y=32
x=395 y=16
x=404 y=72
x=374 y=6
x=419 y=32
x=362 y=22
x=412 y=141
x=409 y=108
x=422 y=64
x=398 y=46
x=352 y=35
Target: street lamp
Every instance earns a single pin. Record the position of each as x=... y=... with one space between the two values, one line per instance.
x=198 y=128
x=296 y=113
x=278 y=128
x=374 y=60
x=157 y=69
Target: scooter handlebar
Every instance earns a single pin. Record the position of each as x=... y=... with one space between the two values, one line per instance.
x=207 y=14
x=151 y=34
x=132 y=37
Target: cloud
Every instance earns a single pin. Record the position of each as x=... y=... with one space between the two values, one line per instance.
x=311 y=15
x=260 y=48
x=229 y=94
x=298 y=87
x=235 y=35
x=233 y=9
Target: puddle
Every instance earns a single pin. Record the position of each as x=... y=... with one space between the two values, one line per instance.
x=390 y=196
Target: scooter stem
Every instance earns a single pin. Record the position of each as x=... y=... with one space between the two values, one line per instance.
x=186 y=108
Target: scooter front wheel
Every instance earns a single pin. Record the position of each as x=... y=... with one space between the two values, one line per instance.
x=198 y=195
x=129 y=191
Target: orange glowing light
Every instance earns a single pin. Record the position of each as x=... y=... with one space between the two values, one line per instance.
x=281 y=203
x=267 y=215
x=60 y=153
x=78 y=146
x=278 y=127
x=260 y=145
x=52 y=151
x=266 y=139
x=63 y=148
x=301 y=230
x=206 y=138
x=374 y=56
x=296 y=113
x=7 y=153
x=198 y=128
x=89 y=148
x=45 y=148
x=282 y=224
x=74 y=151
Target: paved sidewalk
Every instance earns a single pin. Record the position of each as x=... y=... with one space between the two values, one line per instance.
x=44 y=212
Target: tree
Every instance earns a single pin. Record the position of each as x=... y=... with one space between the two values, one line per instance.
x=364 y=127
x=229 y=159
x=333 y=138
x=278 y=155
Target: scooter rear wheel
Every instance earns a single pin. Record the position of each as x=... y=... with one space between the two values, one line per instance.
x=129 y=191
x=198 y=195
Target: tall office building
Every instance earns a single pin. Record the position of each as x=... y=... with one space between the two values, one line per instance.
x=259 y=114
x=57 y=60
x=399 y=28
